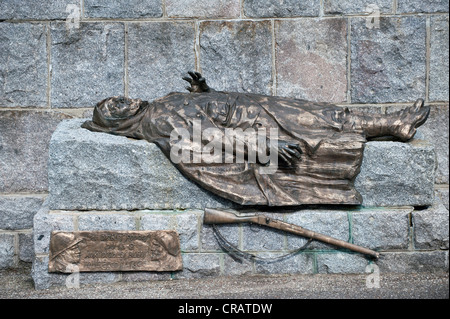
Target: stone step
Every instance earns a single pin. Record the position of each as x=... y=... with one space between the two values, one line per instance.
x=98 y=171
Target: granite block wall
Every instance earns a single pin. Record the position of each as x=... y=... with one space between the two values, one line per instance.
x=58 y=58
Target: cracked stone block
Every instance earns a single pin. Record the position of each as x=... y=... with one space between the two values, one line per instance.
x=388 y=61
x=23 y=64
x=123 y=9
x=87 y=63
x=312 y=54
x=236 y=56
x=203 y=9
x=281 y=9
x=159 y=55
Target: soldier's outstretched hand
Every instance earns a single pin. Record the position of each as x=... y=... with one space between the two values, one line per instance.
x=198 y=83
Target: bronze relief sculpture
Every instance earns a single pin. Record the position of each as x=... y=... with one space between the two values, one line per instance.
x=318 y=146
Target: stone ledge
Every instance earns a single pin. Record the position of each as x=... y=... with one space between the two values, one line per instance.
x=98 y=171
x=384 y=229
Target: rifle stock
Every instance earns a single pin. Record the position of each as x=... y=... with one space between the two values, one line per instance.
x=215 y=216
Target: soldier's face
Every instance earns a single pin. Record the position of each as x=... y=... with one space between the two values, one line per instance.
x=120 y=107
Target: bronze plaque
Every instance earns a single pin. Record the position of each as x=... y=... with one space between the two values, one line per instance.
x=89 y=251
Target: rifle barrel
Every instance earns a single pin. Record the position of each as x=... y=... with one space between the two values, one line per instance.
x=215 y=216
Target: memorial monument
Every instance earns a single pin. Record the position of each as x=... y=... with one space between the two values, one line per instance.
x=319 y=146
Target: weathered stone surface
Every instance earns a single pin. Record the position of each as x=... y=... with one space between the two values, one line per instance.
x=232 y=267
x=23 y=64
x=199 y=266
x=333 y=223
x=431 y=227
x=39 y=10
x=388 y=63
x=97 y=171
x=26 y=247
x=188 y=230
x=44 y=223
x=356 y=6
x=24 y=139
x=236 y=56
x=415 y=6
x=280 y=9
x=93 y=222
x=87 y=63
x=44 y=280
x=298 y=264
x=436 y=131
x=439 y=58
x=381 y=229
x=411 y=262
x=17 y=212
x=312 y=59
x=157 y=221
x=7 y=251
x=203 y=9
x=159 y=55
x=106 y=172
x=443 y=195
x=341 y=263
x=209 y=241
x=397 y=174
x=123 y=9
x=260 y=238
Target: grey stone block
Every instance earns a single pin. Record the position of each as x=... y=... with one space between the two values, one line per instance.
x=45 y=280
x=203 y=9
x=45 y=223
x=298 y=264
x=87 y=63
x=93 y=222
x=97 y=171
x=439 y=58
x=436 y=131
x=24 y=140
x=431 y=227
x=356 y=6
x=123 y=9
x=26 y=247
x=389 y=62
x=23 y=64
x=188 y=225
x=341 y=263
x=157 y=221
x=236 y=267
x=236 y=56
x=133 y=175
x=7 y=251
x=159 y=55
x=333 y=223
x=42 y=278
x=260 y=238
x=411 y=262
x=381 y=229
x=38 y=10
x=415 y=6
x=311 y=54
x=281 y=9
x=199 y=265
x=443 y=195
x=17 y=212
x=397 y=174
x=209 y=241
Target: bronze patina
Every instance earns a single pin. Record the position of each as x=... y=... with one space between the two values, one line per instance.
x=91 y=251
x=320 y=145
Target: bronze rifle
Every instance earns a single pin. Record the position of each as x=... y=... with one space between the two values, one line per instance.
x=215 y=216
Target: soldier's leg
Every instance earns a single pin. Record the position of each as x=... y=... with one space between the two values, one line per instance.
x=402 y=124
